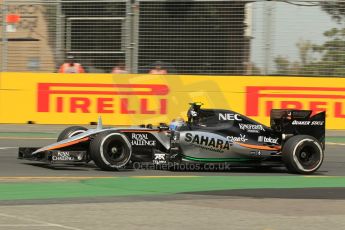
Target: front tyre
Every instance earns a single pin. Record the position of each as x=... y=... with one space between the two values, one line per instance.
x=110 y=151
x=302 y=154
x=70 y=132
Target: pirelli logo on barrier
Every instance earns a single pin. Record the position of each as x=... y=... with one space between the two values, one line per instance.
x=102 y=98
x=261 y=99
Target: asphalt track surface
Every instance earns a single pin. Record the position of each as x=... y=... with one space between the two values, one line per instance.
x=301 y=207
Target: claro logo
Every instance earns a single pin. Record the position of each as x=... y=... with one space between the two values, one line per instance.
x=102 y=98
x=261 y=99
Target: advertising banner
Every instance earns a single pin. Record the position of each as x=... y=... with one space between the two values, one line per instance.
x=125 y=99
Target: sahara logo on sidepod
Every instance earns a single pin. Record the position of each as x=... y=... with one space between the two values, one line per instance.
x=207 y=142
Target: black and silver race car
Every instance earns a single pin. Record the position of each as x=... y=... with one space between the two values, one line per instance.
x=295 y=139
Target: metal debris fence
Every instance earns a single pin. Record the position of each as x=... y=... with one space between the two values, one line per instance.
x=218 y=37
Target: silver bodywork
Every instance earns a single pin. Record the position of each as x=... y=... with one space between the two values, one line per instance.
x=164 y=139
x=161 y=137
x=212 y=137
x=196 y=144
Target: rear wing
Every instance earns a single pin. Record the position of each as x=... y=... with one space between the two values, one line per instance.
x=296 y=122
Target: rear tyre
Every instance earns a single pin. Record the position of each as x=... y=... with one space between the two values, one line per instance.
x=302 y=154
x=110 y=151
x=70 y=132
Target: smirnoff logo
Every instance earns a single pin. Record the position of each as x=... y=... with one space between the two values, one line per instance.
x=101 y=98
x=261 y=99
x=241 y=138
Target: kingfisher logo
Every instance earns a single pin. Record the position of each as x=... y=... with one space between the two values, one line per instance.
x=261 y=99
x=102 y=98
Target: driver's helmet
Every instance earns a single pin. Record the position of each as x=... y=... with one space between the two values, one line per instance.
x=193 y=112
x=176 y=123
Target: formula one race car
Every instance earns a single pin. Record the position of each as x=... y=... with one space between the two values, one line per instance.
x=296 y=139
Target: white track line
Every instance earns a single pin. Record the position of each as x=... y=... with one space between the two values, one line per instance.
x=25 y=225
x=28 y=138
x=334 y=143
x=47 y=224
x=3 y=148
x=55 y=177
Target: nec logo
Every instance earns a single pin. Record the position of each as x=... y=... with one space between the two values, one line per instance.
x=261 y=99
x=229 y=117
x=102 y=98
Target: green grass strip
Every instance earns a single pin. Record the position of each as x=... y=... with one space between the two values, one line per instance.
x=129 y=186
x=335 y=139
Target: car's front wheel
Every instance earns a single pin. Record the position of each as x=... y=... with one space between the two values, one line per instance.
x=70 y=132
x=302 y=154
x=110 y=151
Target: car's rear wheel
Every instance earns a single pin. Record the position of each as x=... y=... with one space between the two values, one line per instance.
x=70 y=132
x=302 y=154
x=110 y=151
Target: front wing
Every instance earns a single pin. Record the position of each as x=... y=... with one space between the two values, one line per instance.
x=53 y=156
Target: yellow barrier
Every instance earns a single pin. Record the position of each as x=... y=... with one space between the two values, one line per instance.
x=46 y=98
